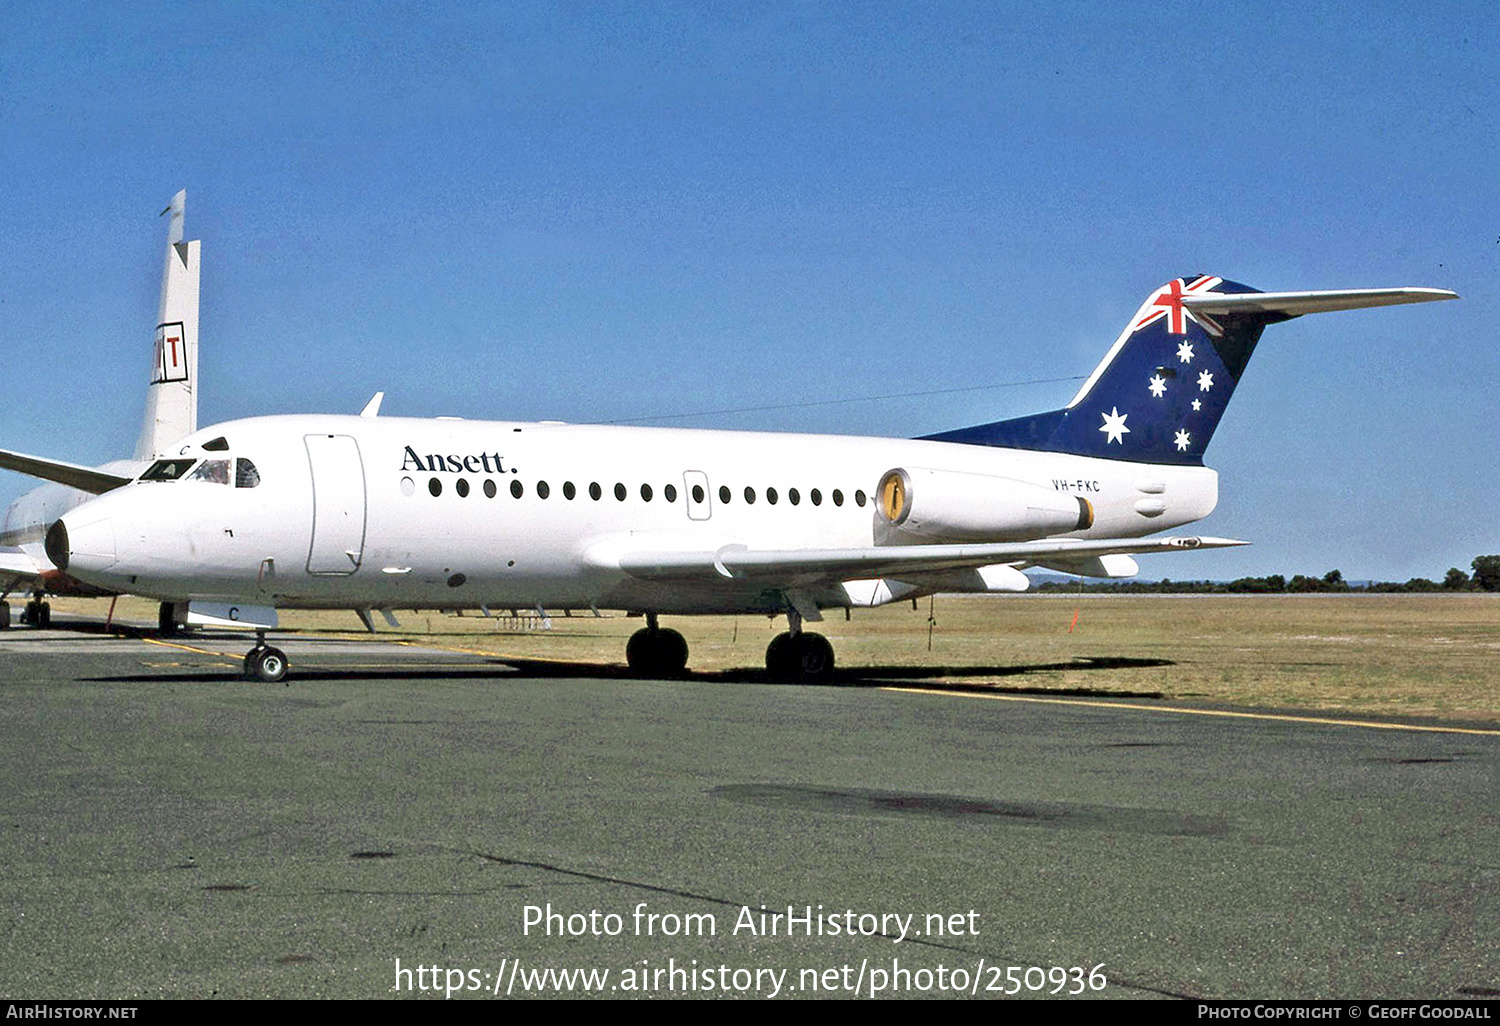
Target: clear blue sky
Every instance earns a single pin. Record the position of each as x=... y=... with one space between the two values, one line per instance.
x=607 y=211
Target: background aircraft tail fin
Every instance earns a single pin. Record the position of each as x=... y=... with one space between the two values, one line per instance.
x=1159 y=392
x=172 y=395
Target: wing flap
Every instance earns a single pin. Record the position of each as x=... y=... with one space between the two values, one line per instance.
x=805 y=566
x=85 y=479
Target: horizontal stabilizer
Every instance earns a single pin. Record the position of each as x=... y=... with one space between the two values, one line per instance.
x=1295 y=304
x=811 y=566
x=85 y=479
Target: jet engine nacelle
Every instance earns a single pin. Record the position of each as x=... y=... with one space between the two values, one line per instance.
x=950 y=506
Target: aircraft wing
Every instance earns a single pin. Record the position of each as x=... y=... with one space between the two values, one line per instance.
x=16 y=565
x=85 y=479
x=804 y=567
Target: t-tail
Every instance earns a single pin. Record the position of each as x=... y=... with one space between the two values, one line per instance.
x=1159 y=392
x=172 y=395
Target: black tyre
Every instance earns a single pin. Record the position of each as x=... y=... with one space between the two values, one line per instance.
x=658 y=653
x=639 y=652
x=268 y=665
x=672 y=648
x=813 y=659
x=779 y=656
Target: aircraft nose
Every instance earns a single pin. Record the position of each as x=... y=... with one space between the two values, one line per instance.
x=86 y=545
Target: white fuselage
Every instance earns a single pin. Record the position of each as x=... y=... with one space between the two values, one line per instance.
x=377 y=512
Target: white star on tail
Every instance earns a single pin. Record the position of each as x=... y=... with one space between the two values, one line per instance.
x=1185 y=352
x=1205 y=381
x=1182 y=441
x=1197 y=405
x=1158 y=386
x=1114 y=426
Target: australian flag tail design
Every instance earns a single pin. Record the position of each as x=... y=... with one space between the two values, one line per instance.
x=1159 y=392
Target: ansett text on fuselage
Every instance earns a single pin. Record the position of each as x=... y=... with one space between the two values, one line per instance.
x=452 y=463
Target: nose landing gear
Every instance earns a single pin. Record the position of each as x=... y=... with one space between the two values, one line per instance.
x=264 y=663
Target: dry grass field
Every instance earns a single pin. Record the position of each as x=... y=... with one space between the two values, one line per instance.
x=1420 y=655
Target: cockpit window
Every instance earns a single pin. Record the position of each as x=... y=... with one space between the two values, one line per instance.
x=245 y=474
x=214 y=471
x=168 y=470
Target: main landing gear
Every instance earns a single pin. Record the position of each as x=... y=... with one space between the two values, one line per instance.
x=37 y=612
x=264 y=663
x=799 y=656
x=656 y=652
x=795 y=656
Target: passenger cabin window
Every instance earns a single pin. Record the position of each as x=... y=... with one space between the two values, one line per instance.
x=212 y=471
x=245 y=474
x=167 y=470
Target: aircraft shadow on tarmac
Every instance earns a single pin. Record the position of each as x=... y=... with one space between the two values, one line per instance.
x=937 y=678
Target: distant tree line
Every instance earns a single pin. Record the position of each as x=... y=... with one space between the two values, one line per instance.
x=1486 y=577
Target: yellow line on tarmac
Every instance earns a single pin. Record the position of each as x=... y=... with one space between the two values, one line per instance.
x=190 y=648
x=1284 y=717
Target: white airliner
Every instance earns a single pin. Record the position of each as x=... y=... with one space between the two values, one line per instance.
x=171 y=413
x=375 y=514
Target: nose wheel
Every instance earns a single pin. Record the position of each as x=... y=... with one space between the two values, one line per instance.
x=264 y=663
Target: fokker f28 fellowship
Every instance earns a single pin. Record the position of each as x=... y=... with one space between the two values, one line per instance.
x=171 y=413
x=378 y=513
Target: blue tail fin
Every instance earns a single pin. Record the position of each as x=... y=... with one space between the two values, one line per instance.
x=1159 y=392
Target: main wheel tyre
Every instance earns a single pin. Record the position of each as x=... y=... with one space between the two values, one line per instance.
x=779 y=662
x=267 y=664
x=813 y=659
x=672 y=648
x=43 y=615
x=4 y=615
x=658 y=653
x=639 y=651
x=166 y=618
